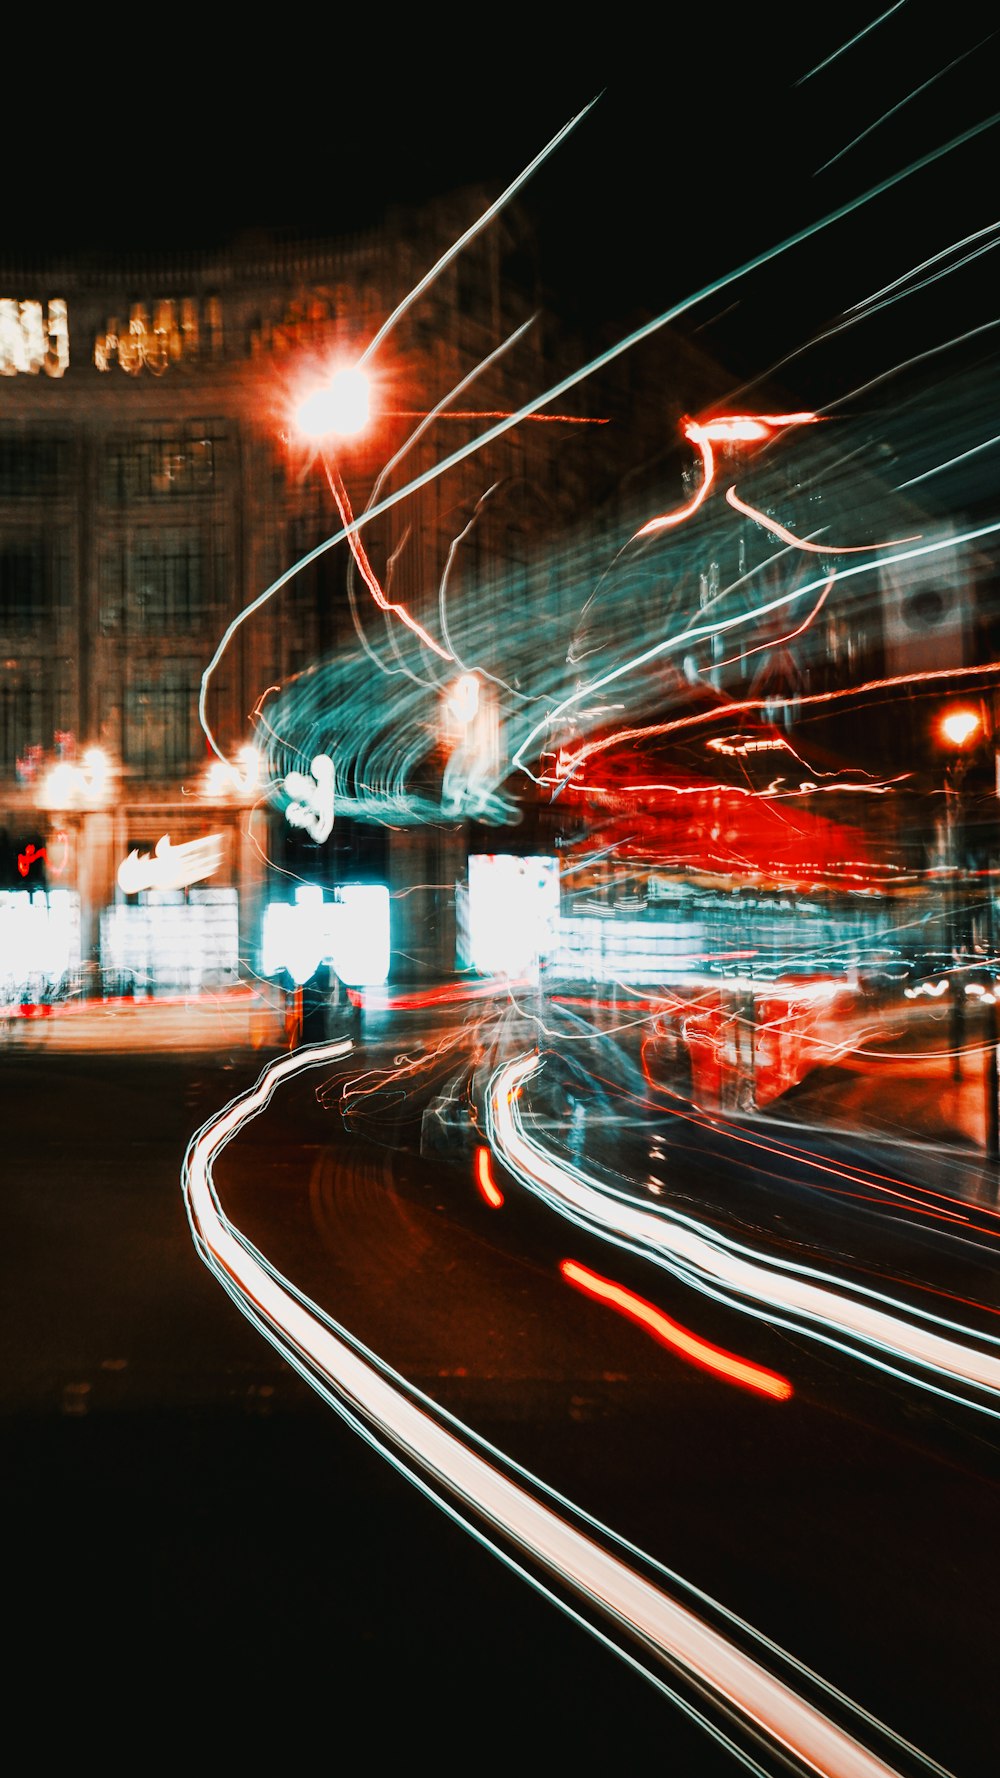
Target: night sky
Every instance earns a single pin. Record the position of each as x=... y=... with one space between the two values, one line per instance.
x=714 y=136
x=714 y=121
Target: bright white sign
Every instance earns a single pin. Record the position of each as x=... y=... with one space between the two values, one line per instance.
x=171 y=867
x=513 y=911
x=351 y=934
x=312 y=798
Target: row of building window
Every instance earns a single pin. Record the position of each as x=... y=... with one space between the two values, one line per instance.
x=158 y=584
x=165 y=463
x=160 y=737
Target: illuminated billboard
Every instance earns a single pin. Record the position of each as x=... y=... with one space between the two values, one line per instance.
x=513 y=911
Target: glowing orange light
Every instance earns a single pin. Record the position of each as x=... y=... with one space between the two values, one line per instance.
x=725 y=429
x=959 y=726
x=819 y=549
x=485 y=1181
x=745 y=428
x=501 y=413
x=670 y=1333
x=340 y=406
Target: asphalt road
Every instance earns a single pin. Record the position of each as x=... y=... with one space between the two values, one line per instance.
x=192 y=1521
x=203 y=1561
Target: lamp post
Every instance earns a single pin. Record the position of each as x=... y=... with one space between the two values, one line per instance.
x=960 y=730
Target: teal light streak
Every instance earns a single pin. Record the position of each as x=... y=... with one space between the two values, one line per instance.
x=849 y=44
x=702 y=630
x=569 y=382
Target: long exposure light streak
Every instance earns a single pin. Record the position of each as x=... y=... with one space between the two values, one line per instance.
x=694 y=632
x=819 y=549
x=670 y=1333
x=475 y=228
x=992 y=230
x=635 y=337
x=844 y=47
x=724 y=429
x=891 y=112
x=868 y=1323
x=444 y=1462
x=365 y=569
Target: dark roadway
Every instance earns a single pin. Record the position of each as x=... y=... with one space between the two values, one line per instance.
x=190 y=1522
x=201 y=1556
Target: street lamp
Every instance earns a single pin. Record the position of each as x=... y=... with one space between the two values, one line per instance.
x=961 y=729
x=83 y=786
x=957 y=729
x=960 y=726
x=339 y=406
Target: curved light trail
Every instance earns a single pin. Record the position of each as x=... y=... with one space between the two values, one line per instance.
x=670 y=1333
x=876 y=1327
x=442 y=1461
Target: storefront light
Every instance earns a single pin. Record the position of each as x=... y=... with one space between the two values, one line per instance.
x=350 y=933
x=83 y=786
x=233 y=778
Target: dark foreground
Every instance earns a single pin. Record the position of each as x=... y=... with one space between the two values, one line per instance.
x=203 y=1560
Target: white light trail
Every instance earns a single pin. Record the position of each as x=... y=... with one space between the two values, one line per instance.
x=813 y=1302
x=529 y=408
x=369 y=1398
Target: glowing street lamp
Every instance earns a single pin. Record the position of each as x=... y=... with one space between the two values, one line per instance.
x=237 y=779
x=959 y=727
x=84 y=786
x=462 y=699
x=340 y=407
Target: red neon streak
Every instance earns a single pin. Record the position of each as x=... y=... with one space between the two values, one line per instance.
x=779 y=641
x=485 y=1181
x=817 y=549
x=670 y=1333
x=501 y=413
x=31 y=855
x=368 y=574
x=700 y=441
x=725 y=429
x=743 y=706
x=447 y=994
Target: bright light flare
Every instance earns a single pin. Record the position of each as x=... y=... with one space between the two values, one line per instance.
x=69 y=786
x=463 y=699
x=339 y=408
x=959 y=726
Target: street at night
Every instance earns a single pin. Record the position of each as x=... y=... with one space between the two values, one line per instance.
x=500 y=904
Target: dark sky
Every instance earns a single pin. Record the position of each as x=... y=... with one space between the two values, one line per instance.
x=715 y=135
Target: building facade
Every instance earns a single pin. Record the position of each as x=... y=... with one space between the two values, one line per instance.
x=153 y=486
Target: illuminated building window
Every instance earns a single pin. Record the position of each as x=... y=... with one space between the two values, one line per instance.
x=161 y=722
x=34 y=337
x=174 y=940
x=164 y=465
